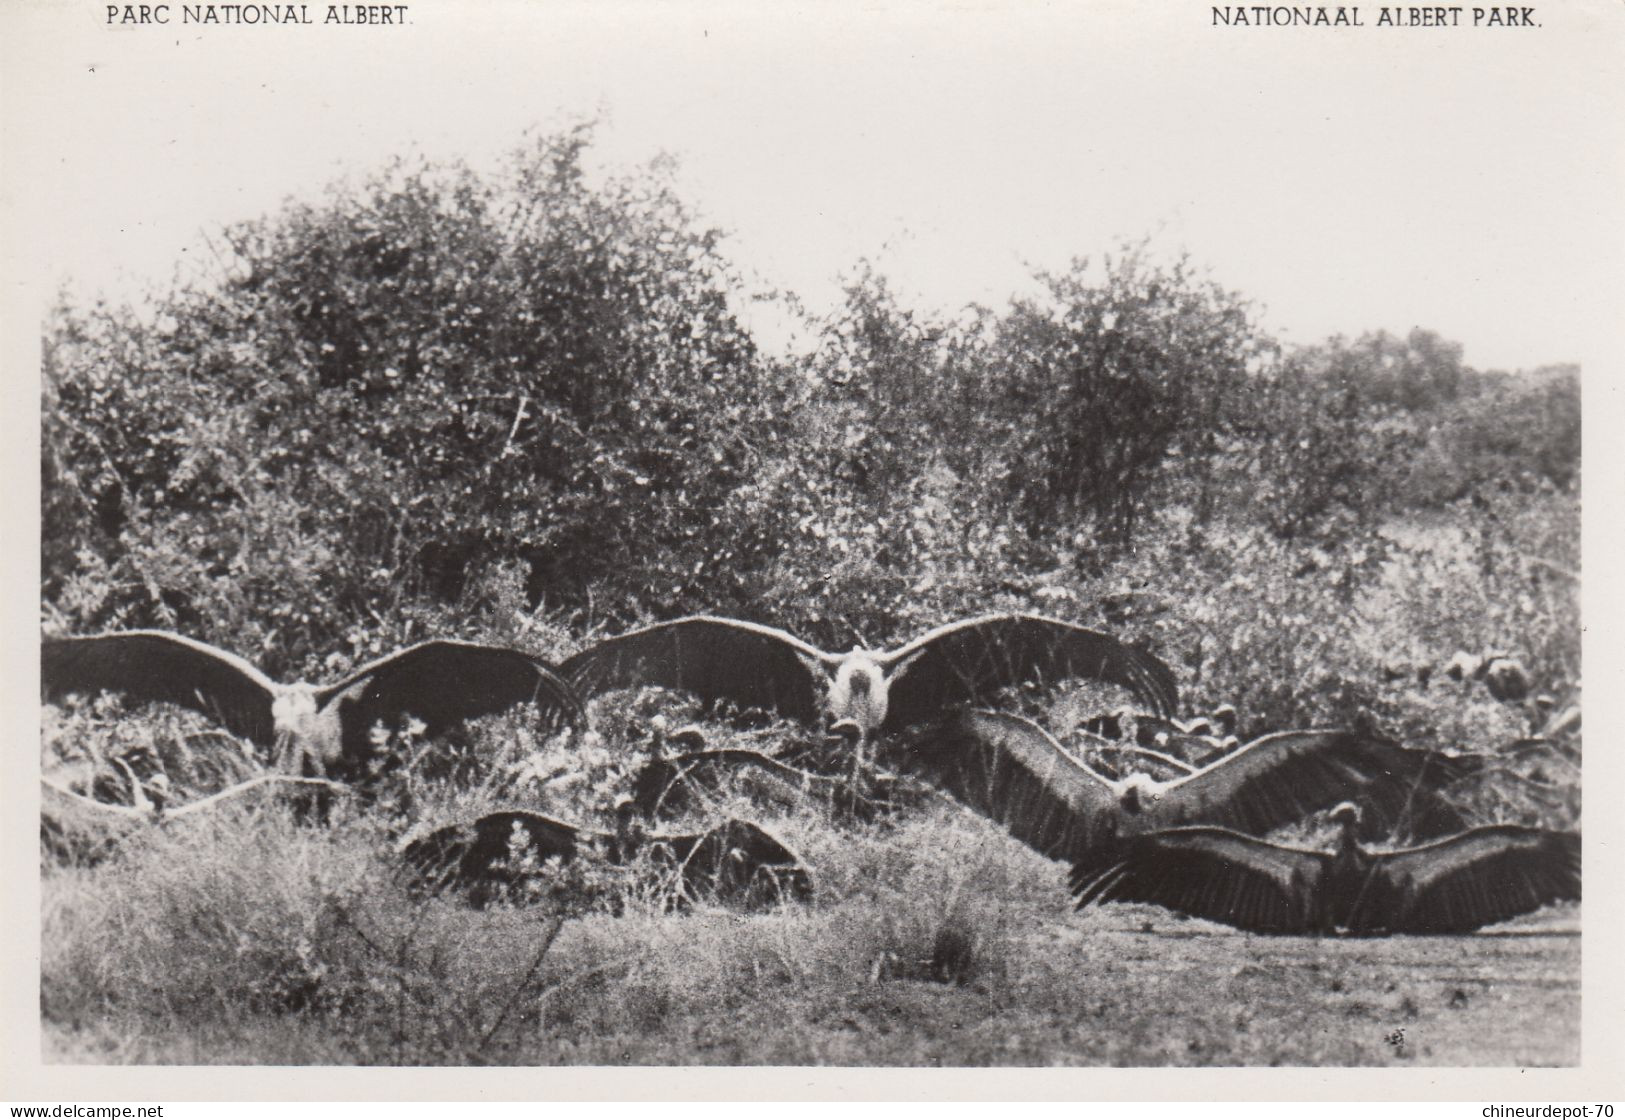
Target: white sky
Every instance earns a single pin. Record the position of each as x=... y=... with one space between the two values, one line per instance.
x=1466 y=180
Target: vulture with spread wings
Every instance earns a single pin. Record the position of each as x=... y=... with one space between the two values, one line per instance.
x=486 y=858
x=322 y=729
x=752 y=666
x=1453 y=885
x=1014 y=772
x=78 y=829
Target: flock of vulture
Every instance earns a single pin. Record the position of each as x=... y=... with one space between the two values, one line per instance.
x=1143 y=806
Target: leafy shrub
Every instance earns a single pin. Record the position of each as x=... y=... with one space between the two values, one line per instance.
x=430 y=375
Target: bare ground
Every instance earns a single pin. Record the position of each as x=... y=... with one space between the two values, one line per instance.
x=1128 y=986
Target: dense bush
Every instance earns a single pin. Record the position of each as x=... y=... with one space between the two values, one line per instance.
x=520 y=406
x=1097 y=386
x=425 y=377
x=1354 y=434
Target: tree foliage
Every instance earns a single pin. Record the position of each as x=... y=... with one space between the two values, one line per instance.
x=389 y=393
x=447 y=401
x=1102 y=380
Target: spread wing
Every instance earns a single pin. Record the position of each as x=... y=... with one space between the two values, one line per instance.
x=737 y=861
x=82 y=829
x=1208 y=873
x=969 y=662
x=1282 y=778
x=1482 y=876
x=1013 y=772
x=653 y=785
x=445 y=682
x=470 y=853
x=154 y=666
x=717 y=659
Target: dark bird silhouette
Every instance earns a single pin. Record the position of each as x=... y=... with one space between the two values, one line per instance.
x=1504 y=676
x=759 y=667
x=1453 y=885
x=736 y=861
x=664 y=785
x=320 y=729
x=687 y=780
x=1014 y=772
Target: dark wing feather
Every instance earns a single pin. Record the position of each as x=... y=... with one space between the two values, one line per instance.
x=158 y=667
x=1208 y=873
x=466 y=854
x=445 y=682
x=661 y=783
x=969 y=662
x=1282 y=778
x=1483 y=876
x=1013 y=772
x=717 y=659
x=739 y=862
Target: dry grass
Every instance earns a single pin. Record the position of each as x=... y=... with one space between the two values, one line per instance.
x=255 y=939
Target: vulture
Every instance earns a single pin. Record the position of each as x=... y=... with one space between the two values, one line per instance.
x=674 y=782
x=1453 y=885
x=661 y=786
x=1014 y=772
x=319 y=729
x=1503 y=675
x=759 y=667
x=80 y=829
x=1506 y=678
x=735 y=861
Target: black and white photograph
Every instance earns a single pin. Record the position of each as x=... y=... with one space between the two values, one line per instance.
x=895 y=537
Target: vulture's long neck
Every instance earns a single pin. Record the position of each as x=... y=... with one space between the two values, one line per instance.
x=1349 y=854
